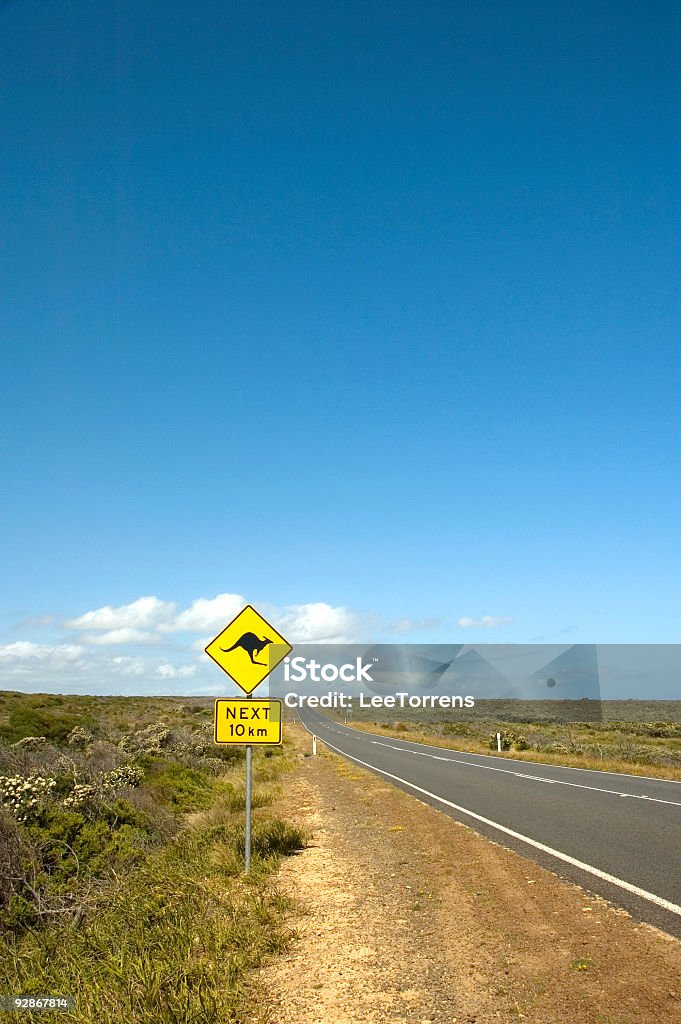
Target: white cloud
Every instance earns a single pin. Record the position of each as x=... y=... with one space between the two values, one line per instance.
x=486 y=622
x=124 y=635
x=144 y=613
x=71 y=668
x=38 y=620
x=139 y=667
x=68 y=652
x=319 y=622
x=27 y=661
x=168 y=671
x=403 y=627
x=109 y=655
x=212 y=690
x=150 y=619
x=206 y=614
x=127 y=666
x=22 y=650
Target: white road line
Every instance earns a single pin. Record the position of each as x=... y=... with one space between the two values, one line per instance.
x=524 y=775
x=651 y=897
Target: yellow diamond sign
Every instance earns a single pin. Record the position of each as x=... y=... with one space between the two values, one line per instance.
x=248 y=648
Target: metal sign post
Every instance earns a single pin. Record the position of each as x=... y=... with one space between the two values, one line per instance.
x=249 y=784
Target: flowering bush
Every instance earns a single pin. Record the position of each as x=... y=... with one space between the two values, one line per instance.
x=80 y=794
x=30 y=743
x=79 y=737
x=152 y=738
x=125 y=775
x=214 y=765
x=24 y=796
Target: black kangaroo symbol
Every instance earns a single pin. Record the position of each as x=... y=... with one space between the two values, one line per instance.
x=249 y=643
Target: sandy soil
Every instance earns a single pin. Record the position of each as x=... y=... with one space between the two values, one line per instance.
x=407 y=916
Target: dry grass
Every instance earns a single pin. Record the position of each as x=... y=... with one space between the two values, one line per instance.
x=434 y=735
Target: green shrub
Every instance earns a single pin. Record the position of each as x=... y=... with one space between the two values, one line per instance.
x=274 y=837
x=70 y=843
x=458 y=729
x=270 y=838
x=234 y=799
x=178 y=787
x=25 y=720
x=553 y=748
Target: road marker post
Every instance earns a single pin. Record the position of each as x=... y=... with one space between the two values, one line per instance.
x=248 y=722
x=314 y=744
x=498 y=742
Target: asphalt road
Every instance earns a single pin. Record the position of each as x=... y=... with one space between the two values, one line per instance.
x=616 y=835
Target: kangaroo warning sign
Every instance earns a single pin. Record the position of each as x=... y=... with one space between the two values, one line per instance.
x=247 y=649
x=247 y=721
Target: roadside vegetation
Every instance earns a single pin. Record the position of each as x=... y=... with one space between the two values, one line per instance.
x=638 y=747
x=121 y=860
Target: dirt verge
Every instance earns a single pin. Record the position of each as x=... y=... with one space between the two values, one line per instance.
x=411 y=917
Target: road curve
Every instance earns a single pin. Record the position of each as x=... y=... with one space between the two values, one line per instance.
x=616 y=835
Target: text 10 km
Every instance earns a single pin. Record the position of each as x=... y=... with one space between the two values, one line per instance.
x=241 y=731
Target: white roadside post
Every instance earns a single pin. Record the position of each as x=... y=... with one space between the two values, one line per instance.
x=314 y=744
x=499 y=742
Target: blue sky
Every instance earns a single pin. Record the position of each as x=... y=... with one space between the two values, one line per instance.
x=365 y=313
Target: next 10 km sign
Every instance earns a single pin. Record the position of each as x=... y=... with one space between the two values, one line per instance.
x=247 y=721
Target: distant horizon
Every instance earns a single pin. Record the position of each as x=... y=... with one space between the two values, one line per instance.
x=481 y=700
